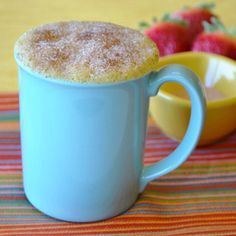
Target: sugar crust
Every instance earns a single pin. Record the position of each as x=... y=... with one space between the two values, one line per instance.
x=90 y=52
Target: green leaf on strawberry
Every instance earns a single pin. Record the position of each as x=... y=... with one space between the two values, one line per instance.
x=208 y=6
x=168 y=18
x=215 y=25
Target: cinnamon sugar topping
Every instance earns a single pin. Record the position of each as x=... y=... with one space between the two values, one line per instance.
x=92 y=52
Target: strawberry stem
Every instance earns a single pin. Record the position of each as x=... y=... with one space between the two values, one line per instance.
x=207 y=6
x=154 y=20
x=143 y=25
x=208 y=27
x=217 y=25
x=168 y=18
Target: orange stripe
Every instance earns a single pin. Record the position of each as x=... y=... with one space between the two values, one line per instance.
x=212 y=232
x=215 y=230
x=12 y=157
x=9 y=95
x=9 y=107
x=9 y=126
x=10 y=138
x=7 y=101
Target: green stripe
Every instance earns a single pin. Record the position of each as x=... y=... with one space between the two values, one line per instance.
x=10 y=177
x=10 y=183
x=14 y=202
x=208 y=165
x=34 y=211
x=6 y=118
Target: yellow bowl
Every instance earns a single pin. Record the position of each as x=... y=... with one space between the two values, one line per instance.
x=170 y=109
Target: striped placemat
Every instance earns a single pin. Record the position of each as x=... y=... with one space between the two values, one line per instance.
x=199 y=198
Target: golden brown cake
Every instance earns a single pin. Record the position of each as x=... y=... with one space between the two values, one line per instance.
x=90 y=52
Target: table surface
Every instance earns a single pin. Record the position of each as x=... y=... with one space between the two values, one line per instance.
x=18 y=16
x=198 y=198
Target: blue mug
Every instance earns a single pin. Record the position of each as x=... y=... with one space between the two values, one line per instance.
x=83 y=144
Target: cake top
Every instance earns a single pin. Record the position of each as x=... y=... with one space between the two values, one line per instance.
x=91 y=52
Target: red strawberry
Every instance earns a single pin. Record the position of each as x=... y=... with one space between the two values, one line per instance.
x=195 y=16
x=170 y=36
x=215 y=39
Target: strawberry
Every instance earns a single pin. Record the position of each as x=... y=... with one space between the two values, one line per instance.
x=170 y=35
x=215 y=39
x=195 y=16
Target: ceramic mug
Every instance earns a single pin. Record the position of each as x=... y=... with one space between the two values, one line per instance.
x=83 y=144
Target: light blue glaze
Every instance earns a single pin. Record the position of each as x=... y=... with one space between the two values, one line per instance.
x=82 y=145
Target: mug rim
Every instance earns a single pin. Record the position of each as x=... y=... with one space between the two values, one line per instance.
x=73 y=83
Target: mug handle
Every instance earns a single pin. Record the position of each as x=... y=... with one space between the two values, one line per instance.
x=185 y=77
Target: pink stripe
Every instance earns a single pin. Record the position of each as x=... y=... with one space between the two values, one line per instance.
x=15 y=166
x=4 y=148
x=17 y=207
x=11 y=171
x=3 y=172
x=11 y=186
x=11 y=192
